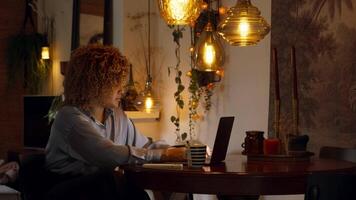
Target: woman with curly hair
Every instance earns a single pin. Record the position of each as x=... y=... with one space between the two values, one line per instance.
x=91 y=133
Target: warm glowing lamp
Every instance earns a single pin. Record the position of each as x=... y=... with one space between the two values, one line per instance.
x=146 y=101
x=243 y=25
x=45 y=52
x=147 y=94
x=180 y=12
x=209 y=54
x=45 y=48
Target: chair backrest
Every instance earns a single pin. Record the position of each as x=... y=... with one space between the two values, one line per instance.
x=338 y=153
x=34 y=180
x=331 y=186
x=32 y=176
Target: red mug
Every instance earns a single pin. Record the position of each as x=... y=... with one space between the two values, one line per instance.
x=271 y=146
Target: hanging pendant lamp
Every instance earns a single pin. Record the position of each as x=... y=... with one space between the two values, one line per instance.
x=243 y=25
x=149 y=102
x=180 y=12
x=45 y=53
x=208 y=52
x=146 y=101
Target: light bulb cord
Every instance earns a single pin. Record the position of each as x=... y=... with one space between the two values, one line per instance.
x=209 y=10
x=149 y=41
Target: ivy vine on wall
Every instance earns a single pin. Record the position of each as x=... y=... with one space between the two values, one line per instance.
x=201 y=85
x=24 y=55
x=175 y=119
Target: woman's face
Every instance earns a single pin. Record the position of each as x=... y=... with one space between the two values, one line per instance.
x=111 y=98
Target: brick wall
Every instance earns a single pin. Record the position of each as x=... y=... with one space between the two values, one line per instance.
x=11 y=105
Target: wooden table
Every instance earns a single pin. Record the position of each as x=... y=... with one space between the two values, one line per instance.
x=236 y=177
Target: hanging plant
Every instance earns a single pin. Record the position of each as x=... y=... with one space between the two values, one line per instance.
x=208 y=92
x=24 y=61
x=56 y=104
x=201 y=82
x=177 y=35
x=195 y=94
x=24 y=55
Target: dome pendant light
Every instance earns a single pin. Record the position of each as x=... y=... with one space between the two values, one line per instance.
x=180 y=12
x=243 y=25
x=208 y=52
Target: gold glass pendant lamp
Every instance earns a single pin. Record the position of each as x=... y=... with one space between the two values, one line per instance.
x=146 y=101
x=180 y=12
x=45 y=49
x=243 y=25
x=208 y=52
x=45 y=52
x=149 y=103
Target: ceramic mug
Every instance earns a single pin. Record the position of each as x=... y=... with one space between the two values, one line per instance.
x=271 y=146
x=196 y=155
x=253 y=142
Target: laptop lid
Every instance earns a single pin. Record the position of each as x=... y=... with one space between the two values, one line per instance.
x=222 y=140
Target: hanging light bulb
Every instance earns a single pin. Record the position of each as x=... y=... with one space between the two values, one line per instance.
x=180 y=12
x=243 y=25
x=146 y=101
x=209 y=54
x=45 y=48
x=148 y=96
x=45 y=52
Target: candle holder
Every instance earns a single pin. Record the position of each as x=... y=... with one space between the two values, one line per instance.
x=297 y=143
x=283 y=147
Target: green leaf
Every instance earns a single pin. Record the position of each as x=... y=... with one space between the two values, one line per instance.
x=184 y=136
x=181 y=103
x=179 y=73
x=180 y=34
x=173 y=119
x=177 y=80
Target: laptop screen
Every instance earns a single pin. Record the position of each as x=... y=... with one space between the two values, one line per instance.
x=222 y=139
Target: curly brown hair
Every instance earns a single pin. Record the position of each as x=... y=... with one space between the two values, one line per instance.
x=93 y=71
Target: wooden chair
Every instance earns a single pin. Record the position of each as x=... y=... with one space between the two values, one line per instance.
x=33 y=178
x=338 y=153
x=334 y=186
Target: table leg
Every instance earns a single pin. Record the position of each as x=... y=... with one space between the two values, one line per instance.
x=238 y=197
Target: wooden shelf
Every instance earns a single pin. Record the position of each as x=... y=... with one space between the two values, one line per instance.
x=142 y=115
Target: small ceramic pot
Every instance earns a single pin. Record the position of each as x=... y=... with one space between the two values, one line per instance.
x=298 y=143
x=253 y=142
